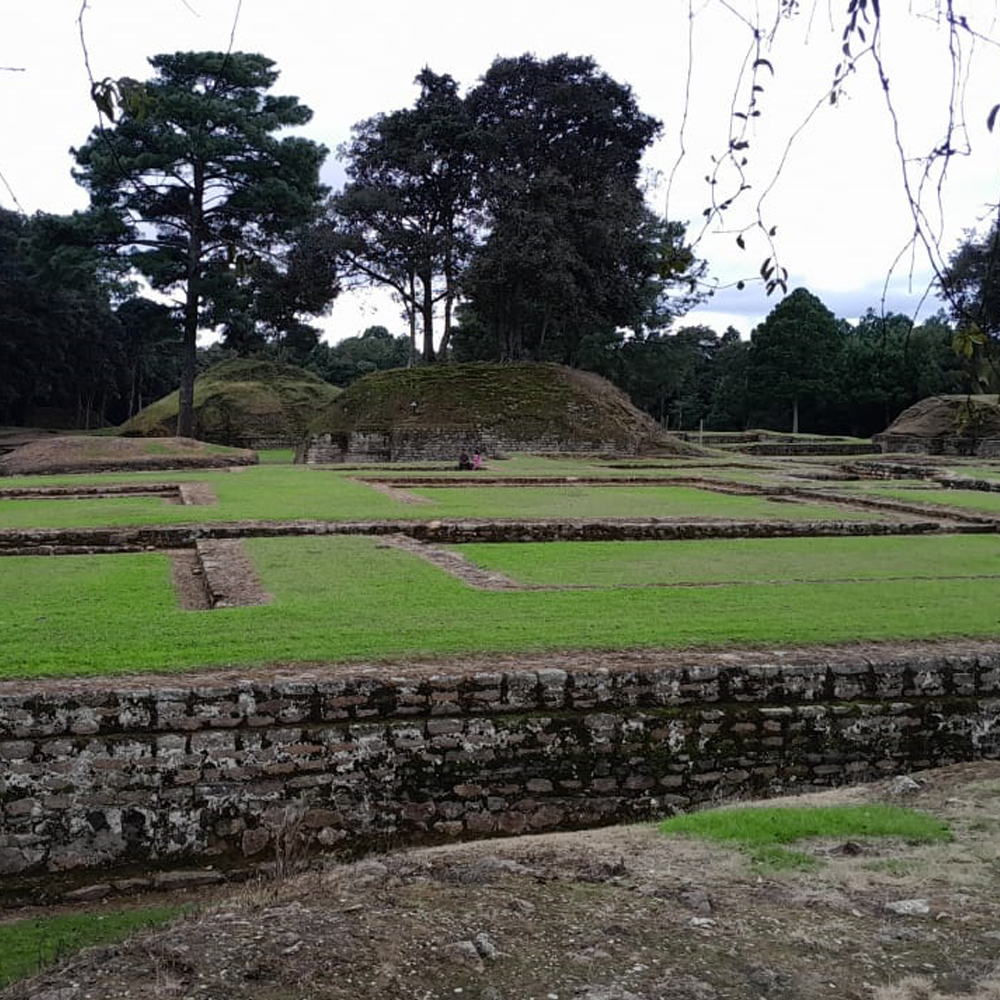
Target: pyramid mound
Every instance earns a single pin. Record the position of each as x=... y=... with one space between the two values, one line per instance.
x=82 y=453
x=439 y=411
x=946 y=425
x=244 y=403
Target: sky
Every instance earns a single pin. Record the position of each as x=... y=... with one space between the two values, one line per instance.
x=837 y=201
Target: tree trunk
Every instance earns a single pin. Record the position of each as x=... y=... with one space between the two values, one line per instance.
x=427 y=313
x=449 y=298
x=412 y=310
x=795 y=415
x=189 y=352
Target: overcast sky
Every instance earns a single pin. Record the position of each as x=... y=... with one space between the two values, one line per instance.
x=838 y=204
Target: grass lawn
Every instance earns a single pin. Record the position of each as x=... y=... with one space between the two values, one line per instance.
x=739 y=560
x=761 y=830
x=341 y=598
x=988 y=503
x=620 y=501
x=28 y=945
x=287 y=492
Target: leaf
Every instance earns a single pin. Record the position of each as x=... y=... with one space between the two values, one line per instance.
x=739 y=114
x=992 y=117
x=740 y=242
x=740 y=285
x=772 y=231
x=878 y=13
x=764 y=62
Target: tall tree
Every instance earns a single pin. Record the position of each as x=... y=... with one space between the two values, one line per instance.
x=794 y=354
x=195 y=171
x=572 y=250
x=403 y=220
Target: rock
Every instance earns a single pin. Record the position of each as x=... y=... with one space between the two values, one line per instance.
x=851 y=848
x=607 y=993
x=486 y=948
x=697 y=900
x=369 y=874
x=704 y=922
x=88 y=892
x=903 y=784
x=186 y=879
x=764 y=978
x=909 y=907
x=254 y=841
x=463 y=953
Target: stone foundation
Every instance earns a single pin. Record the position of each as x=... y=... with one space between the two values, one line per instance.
x=159 y=772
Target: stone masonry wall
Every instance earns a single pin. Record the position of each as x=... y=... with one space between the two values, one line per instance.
x=438 y=444
x=159 y=772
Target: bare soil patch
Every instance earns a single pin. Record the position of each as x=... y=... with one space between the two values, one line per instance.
x=229 y=574
x=118 y=454
x=615 y=914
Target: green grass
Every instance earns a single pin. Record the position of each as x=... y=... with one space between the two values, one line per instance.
x=287 y=492
x=738 y=560
x=28 y=945
x=339 y=599
x=972 y=499
x=764 y=831
x=276 y=456
x=618 y=501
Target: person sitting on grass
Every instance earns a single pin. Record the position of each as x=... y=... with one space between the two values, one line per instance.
x=463 y=461
x=477 y=460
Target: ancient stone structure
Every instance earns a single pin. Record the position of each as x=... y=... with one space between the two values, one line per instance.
x=163 y=771
x=407 y=444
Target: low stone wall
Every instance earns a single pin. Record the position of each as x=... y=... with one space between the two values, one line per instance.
x=162 y=771
x=72 y=541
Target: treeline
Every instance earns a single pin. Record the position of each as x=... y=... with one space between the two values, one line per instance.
x=853 y=380
x=508 y=223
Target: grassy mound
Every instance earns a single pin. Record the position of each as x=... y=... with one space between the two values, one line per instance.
x=242 y=402
x=80 y=453
x=522 y=402
x=949 y=416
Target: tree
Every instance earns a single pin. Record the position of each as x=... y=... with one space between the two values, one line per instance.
x=403 y=221
x=202 y=184
x=793 y=355
x=374 y=350
x=571 y=251
x=60 y=342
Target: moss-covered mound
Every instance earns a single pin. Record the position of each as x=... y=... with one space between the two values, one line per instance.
x=244 y=403
x=946 y=425
x=954 y=416
x=561 y=408
x=80 y=453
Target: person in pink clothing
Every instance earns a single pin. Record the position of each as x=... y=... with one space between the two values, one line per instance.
x=477 y=460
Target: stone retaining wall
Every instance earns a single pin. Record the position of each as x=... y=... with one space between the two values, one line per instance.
x=165 y=771
x=65 y=541
x=402 y=444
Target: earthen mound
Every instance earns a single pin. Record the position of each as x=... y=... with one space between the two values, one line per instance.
x=948 y=425
x=438 y=411
x=111 y=454
x=243 y=403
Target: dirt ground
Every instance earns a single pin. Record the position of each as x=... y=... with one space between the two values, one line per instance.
x=614 y=914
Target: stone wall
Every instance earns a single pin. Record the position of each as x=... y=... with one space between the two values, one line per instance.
x=160 y=772
x=401 y=444
x=912 y=445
